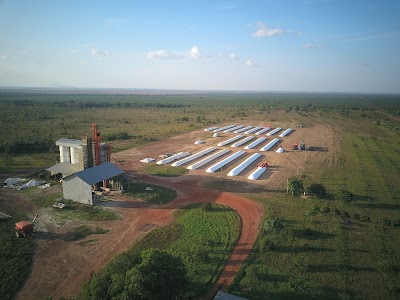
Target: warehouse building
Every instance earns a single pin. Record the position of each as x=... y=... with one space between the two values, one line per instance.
x=79 y=186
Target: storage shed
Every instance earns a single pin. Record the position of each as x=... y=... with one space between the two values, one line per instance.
x=78 y=186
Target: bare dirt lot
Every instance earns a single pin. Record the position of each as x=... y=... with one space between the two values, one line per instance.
x=62 y=266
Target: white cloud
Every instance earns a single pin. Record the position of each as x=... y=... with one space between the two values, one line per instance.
x=195 y=53
x=310 y=46
x=233 y=56
x=3 y=57
x=84 y=62
x=74 y=51
x=163 y=54
x=251 y=64
x=99 y=53
x=263 y=31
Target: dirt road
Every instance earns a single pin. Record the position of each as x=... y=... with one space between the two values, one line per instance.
x=61 y=267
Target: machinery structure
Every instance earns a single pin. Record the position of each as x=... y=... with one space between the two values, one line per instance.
x=25 y=228
x=85 y=167
x=301 y=146
x=98 y=146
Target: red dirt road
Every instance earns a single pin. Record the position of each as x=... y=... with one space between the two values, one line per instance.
x=250 y=213
x=61 y=267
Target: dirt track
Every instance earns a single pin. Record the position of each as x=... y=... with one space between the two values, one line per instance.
x=61 y=266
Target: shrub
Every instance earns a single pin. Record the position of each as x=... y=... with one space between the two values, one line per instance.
x=295 y=185
x=325 y=210
x=267 y=245
x=317 y=189
x=313 y=210
x=206 y=206
x=273 y=225
x=344 y=195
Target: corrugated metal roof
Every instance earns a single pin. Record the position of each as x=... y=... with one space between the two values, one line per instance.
x=99 y=173
x=64 y=168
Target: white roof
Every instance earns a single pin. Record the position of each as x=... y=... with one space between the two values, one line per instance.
x=69 y=142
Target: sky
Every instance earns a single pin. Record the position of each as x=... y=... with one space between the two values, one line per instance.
x=276 y=45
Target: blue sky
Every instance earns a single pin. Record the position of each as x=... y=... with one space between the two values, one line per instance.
x=277 y=45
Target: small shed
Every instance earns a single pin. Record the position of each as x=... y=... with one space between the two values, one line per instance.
x=78 y=186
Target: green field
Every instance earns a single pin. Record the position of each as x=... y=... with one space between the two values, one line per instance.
x=16 y=256
x=202 y=238
x=150 y=193
x=326 y=249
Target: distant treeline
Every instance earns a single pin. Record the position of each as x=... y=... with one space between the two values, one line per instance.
x=26 y=146
x=82 y=105
x=301 y=101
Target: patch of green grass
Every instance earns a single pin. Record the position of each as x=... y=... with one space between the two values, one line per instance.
x=88 y=242
x=204 y=239
x=165 y=170
x=72 y=209
x=16 y=257
x=151 y=193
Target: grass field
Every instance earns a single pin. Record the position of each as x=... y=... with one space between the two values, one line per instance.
x=150 y=193
x=202 y=238
x=165 y=170
x=16 y=256
x=326 y=249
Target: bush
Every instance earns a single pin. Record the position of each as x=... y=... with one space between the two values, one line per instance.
x=295 y=185
x=267 y=245
x=317 y=189
x=344 y=195
x=313 y=210
x=206 y=206
x=325 y=210
x=273 y=225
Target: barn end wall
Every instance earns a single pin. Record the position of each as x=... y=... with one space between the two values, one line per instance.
x=77 y=190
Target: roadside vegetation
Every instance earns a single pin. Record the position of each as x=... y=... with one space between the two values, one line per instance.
x=16 y=256
x=202 y=238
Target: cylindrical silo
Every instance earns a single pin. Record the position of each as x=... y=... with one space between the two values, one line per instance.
x=64 y=154
x=74 y=155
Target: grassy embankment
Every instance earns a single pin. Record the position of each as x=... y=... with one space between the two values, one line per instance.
x=204 y=240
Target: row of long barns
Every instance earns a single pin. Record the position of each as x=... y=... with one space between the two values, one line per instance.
x=211 y=154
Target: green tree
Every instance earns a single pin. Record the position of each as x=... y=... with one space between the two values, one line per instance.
x=317 y=189
x=95 y=289
x=295 y=185
x=273 y=225
x=159 y=275
x=344 y=195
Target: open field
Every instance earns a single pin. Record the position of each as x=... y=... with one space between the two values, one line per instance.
x=326 y=249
